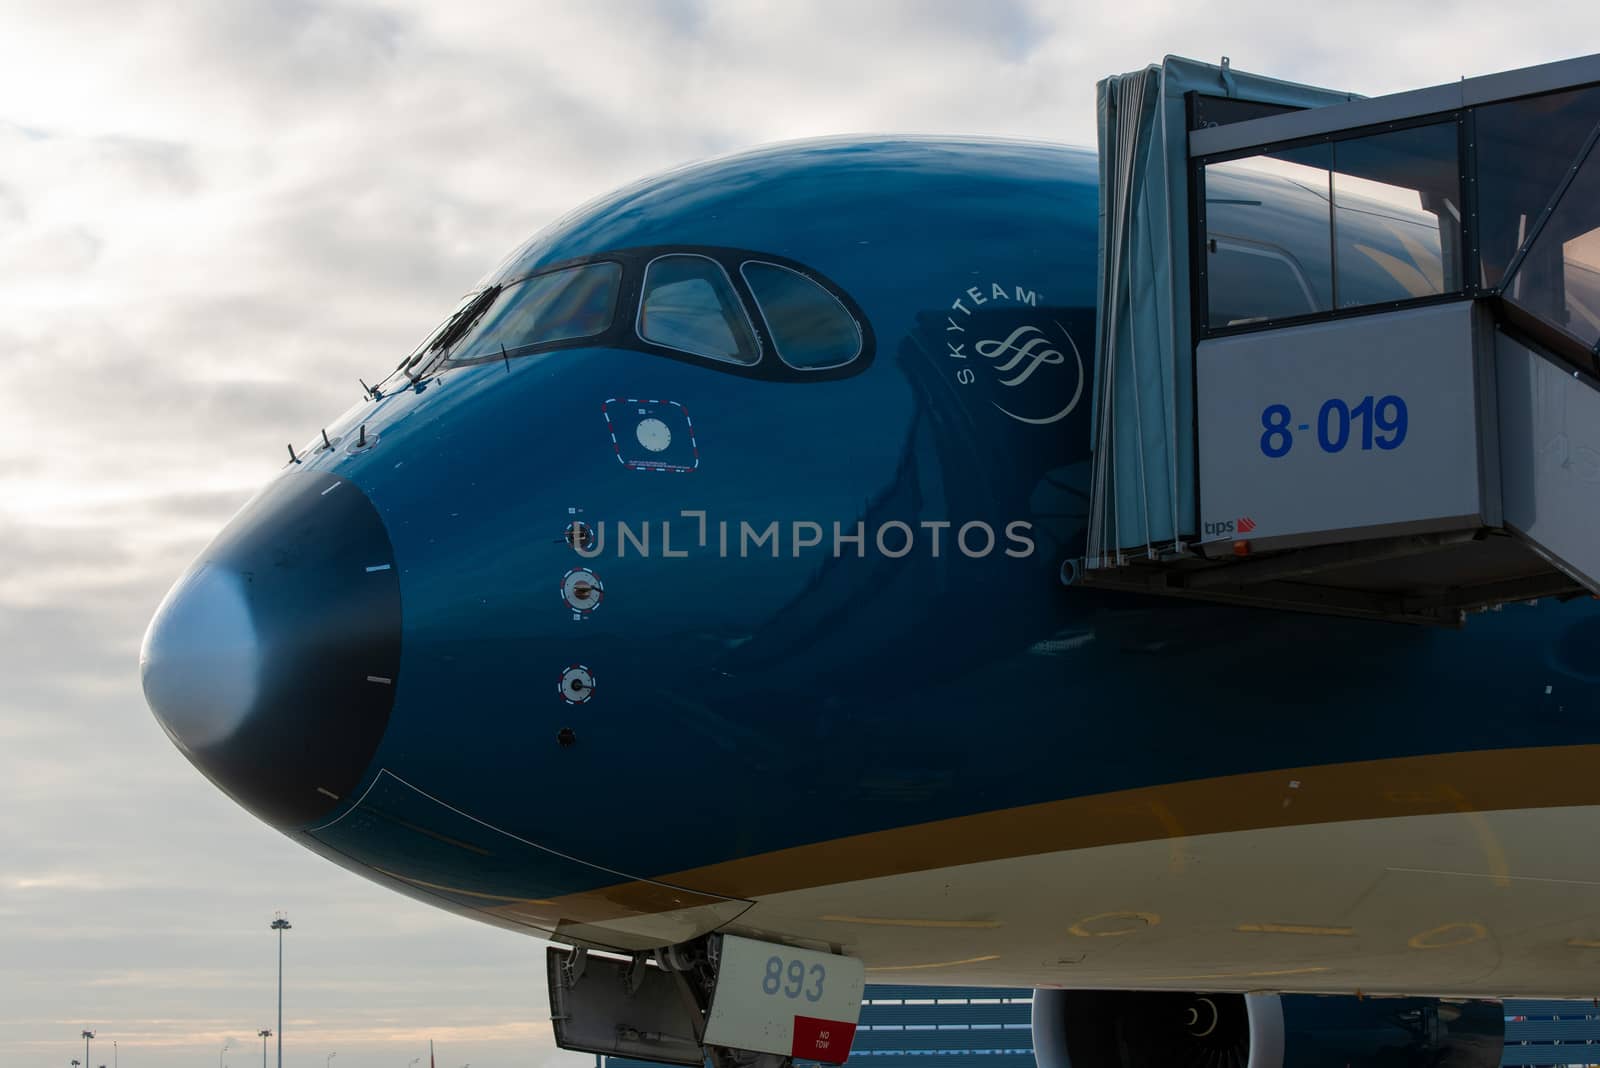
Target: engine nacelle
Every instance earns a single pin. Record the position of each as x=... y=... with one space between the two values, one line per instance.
x=1135 y=1029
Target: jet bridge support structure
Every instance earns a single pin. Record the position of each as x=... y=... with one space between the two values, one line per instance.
x=1347 y=350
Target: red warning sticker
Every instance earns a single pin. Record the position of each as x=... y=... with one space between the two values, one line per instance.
x=827 y=1041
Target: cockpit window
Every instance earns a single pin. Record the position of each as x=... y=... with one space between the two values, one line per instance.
x=558 y=306
x=700 y=304
x=689 y=304
x=809 y=328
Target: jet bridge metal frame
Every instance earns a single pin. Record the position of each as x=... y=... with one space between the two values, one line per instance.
x=1191 y=497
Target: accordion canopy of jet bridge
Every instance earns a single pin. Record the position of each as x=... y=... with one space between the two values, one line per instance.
x=1347 y=348
x=1144 y=486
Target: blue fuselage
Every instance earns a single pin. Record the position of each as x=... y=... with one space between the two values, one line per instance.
x=738 y=703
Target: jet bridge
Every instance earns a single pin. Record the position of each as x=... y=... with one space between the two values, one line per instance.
x=1347 y=349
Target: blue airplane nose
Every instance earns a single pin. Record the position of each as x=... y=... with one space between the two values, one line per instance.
x=272 y=664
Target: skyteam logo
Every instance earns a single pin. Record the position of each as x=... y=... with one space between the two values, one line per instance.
x=1023 y=357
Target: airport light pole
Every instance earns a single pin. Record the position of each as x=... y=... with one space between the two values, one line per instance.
x=265 y=1034
x=87 y=1036
x=280 y=923
x=116 y=1061
x=225 y=1044
x=328 y=1063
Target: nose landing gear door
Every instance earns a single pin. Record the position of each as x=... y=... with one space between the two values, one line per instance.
x=793 y=1002
x=746 y=1004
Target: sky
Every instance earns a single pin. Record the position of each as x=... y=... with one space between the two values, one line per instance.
x=214 y=217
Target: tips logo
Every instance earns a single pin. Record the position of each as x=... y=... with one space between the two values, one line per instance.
x=1243 y=525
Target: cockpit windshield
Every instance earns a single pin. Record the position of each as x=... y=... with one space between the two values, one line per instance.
x=751 y=314
x=577 y=302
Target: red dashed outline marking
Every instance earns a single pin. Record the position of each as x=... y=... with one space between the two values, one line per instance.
x=649 y=465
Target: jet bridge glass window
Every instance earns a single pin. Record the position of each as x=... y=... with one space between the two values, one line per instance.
x=1558 y=280
x=1324 y=227
x=808 y=326
x=1397 y=215
x=1266 y=253
x=689 y=304
x=577 y=302
x=1525 y=149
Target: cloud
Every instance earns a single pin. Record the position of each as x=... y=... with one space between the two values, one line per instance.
x=213 y=218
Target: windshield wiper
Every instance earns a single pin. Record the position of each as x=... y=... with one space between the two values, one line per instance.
x=458 y=326
x=454 y=329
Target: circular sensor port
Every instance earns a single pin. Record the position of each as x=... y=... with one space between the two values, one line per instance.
x=577 y=685
x=653 y=434
x=582 y=590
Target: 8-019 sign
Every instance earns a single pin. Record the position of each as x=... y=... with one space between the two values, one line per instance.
x=1368 y=423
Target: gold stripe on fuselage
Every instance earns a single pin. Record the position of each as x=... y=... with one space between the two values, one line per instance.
x=1480 y=781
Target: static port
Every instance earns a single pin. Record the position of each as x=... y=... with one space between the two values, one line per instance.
x=577 y=685
x=582 y=589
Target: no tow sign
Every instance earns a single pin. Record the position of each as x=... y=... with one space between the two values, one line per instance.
x=792 y=1002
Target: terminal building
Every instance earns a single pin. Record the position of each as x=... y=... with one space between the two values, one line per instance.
x=974 y=1027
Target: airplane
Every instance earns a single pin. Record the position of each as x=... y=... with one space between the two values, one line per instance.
x=697 y=597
